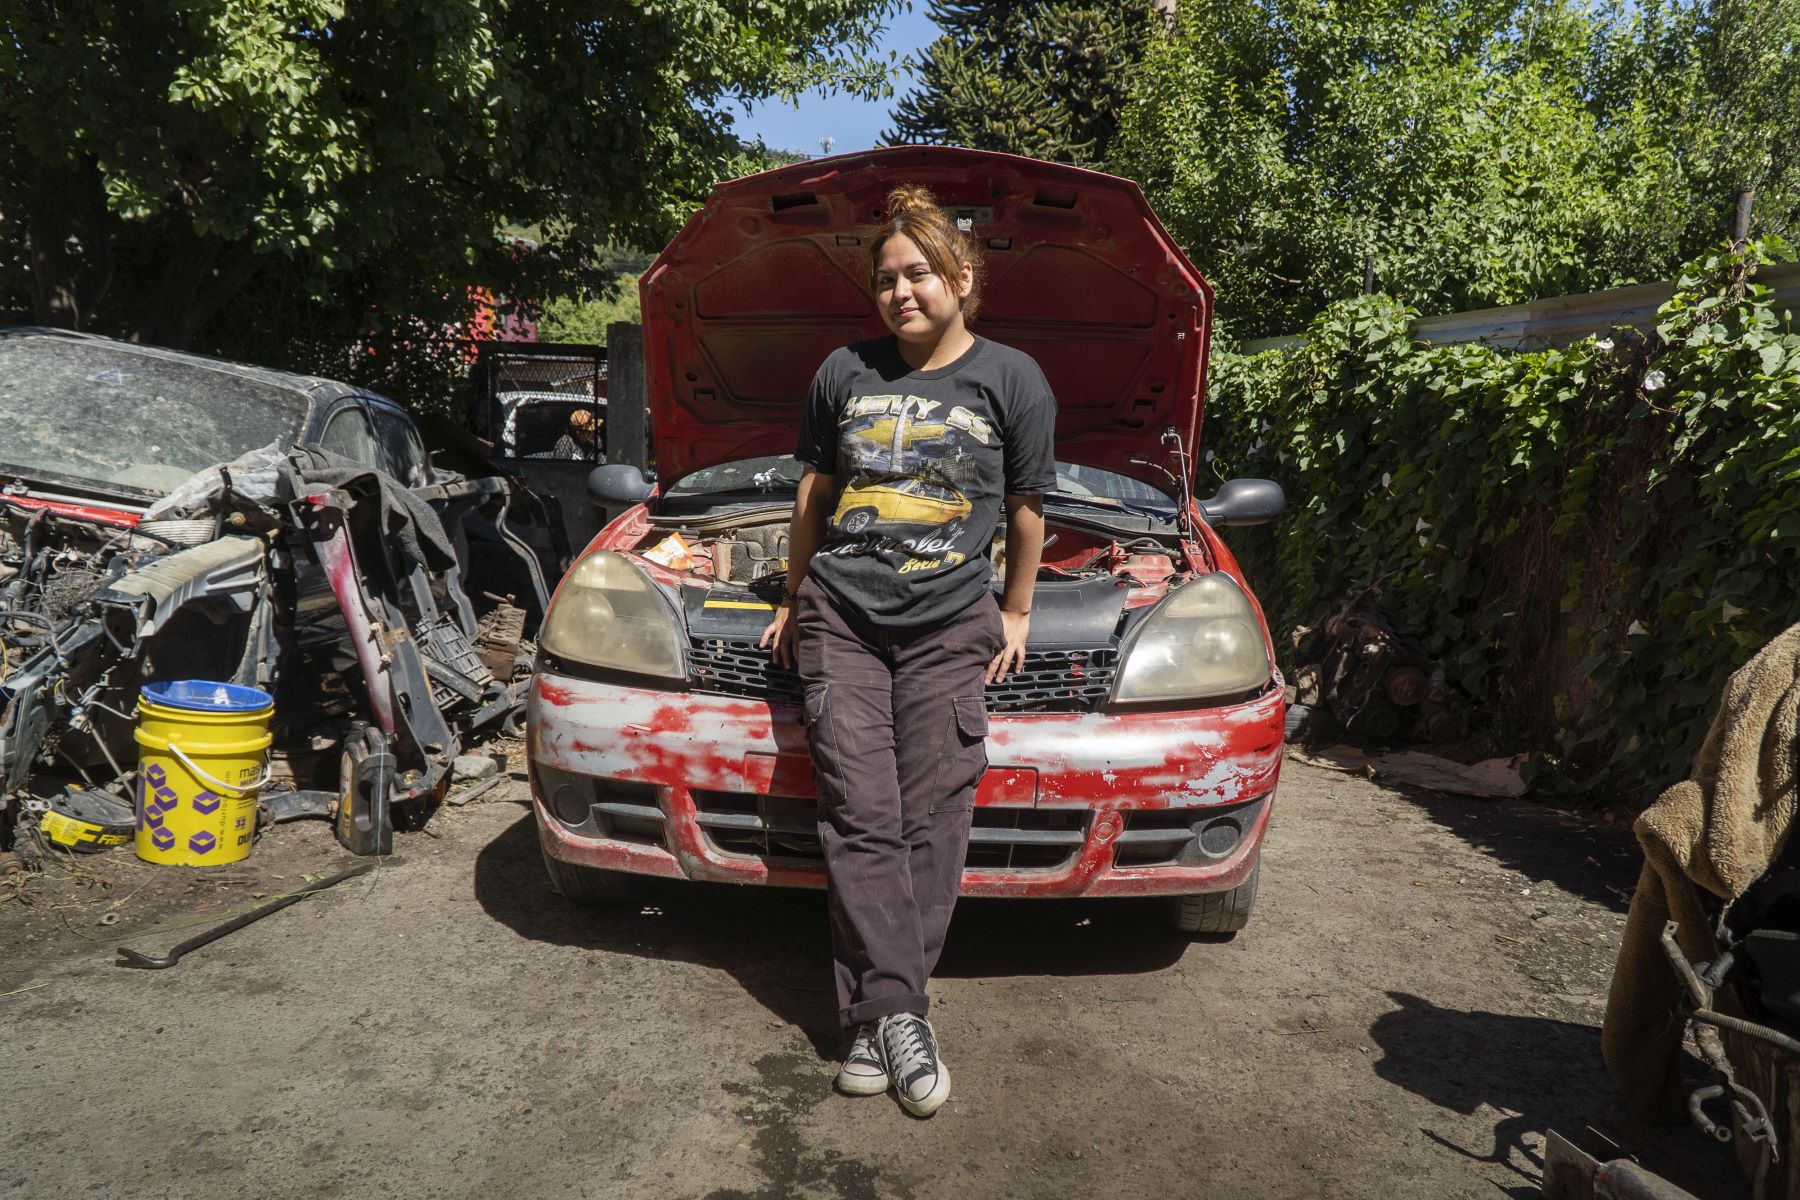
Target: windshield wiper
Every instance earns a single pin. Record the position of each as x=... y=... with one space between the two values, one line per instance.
x=1112 y=505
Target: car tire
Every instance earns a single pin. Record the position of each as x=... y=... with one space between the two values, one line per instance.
x=1216 y=912
x=591 y=887
x=857 y=520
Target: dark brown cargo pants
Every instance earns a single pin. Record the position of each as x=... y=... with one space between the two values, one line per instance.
x=897 y=729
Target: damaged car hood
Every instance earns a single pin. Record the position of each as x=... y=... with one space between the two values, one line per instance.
x=771 y=276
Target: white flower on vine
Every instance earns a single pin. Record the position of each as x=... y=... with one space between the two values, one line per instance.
x=1654 y=381
x=1421 y=526
x=1604 y=345
x=1636 y=629
x=1732 y=611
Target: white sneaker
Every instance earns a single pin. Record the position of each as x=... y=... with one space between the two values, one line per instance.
x=862 y=1073
x=909 y=1051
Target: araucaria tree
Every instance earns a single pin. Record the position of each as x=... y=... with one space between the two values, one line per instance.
x=271 y=175
x=1046 y=78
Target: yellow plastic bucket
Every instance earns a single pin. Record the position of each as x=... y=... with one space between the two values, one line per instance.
x=200 y=764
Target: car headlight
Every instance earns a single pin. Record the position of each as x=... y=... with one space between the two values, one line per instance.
x=609 y=614
x=1203 y=640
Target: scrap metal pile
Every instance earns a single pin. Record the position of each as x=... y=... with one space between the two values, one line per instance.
x=324 y=581
x=1375 y=679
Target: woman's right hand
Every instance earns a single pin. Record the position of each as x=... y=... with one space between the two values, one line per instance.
x=780 y=634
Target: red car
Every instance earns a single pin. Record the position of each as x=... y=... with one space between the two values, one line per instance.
x=1137 y=753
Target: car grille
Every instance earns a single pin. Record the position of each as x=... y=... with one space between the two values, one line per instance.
x=739 y=667
x=785 y=828
x=1073 y=680
x=1057 y=681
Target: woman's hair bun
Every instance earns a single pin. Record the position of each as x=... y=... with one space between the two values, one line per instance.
x=911 y=198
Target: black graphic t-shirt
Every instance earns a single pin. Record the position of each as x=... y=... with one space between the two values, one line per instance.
x=922 y=460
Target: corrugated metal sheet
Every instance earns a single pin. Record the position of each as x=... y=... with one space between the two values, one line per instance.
x=1558 y=320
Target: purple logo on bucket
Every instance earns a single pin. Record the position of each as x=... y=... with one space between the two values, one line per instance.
x=202 y=842
x=162 y=839
x=156 y=775
x=205 y=803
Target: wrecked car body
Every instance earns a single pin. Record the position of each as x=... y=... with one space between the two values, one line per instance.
x=165 y=516
x=1136 y=754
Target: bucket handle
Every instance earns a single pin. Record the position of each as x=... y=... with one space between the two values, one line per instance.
x=203 y=777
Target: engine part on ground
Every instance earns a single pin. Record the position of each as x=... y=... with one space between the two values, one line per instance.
x=87 y=820
x=278 y=808
x=364 y=823
x=158 y=962
x=201 y=749
x=501 y=637
x=1378 y=681
x=1571 y=1173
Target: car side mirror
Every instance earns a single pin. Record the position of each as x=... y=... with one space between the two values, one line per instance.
x=619 y=483
x=1244 y=502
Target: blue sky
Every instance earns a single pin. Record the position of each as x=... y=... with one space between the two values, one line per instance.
x=853 y=124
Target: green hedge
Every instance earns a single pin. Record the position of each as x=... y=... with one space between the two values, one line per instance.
x=1591 y=538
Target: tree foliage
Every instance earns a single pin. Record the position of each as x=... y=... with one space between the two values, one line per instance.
x=584 y=318
x=288 y=178
x=1481 y=152
x=1044 y=78
x=1592 y=538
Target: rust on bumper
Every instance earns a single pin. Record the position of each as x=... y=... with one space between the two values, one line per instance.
x=1107 y=765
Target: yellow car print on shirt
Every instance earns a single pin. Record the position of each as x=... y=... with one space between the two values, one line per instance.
x=903 y=501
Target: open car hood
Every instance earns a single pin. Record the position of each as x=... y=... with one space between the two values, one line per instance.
x=771 y=276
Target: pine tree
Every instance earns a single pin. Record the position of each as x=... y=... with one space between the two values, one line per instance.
x=1044 y=78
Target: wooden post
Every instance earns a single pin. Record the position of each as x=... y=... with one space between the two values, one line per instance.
x=1368 y=274
x=1740 y=217
x=627 y=400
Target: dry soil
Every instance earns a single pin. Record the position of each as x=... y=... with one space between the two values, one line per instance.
x=1416 y=1001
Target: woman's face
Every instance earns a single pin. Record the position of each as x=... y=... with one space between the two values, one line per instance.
x=918 y=304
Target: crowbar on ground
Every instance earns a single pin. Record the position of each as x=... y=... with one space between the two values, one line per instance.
x=156 y=962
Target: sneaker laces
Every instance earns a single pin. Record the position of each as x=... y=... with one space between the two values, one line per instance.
x=865 y=1048
x=909 y=1049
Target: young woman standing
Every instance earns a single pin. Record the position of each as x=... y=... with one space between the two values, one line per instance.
x=913 y=443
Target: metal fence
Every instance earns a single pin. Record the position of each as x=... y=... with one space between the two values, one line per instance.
x=530 y=390
x=1557 y=320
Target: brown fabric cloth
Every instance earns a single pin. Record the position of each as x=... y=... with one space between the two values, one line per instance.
x=1717 y=831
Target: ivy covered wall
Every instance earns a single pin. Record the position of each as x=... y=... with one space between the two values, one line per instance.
x=1592 y=538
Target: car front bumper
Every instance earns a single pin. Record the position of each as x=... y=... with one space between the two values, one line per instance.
x=689 y=785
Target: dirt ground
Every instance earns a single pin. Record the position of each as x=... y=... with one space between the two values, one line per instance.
x=1416 y=1001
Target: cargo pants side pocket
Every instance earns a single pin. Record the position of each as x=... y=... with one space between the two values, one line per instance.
x=964 y=758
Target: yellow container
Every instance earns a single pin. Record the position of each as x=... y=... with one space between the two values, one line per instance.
x=200 y=765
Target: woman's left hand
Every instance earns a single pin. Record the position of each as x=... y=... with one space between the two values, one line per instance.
x=1015 y=625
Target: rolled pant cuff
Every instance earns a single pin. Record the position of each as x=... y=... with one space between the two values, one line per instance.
x=883 y=1006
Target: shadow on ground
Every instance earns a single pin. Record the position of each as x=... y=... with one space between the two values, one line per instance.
x=1571 y=850
x=1536 y=1072
x=776 y=941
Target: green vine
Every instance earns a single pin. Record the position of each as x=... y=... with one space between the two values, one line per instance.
x=1592 y=538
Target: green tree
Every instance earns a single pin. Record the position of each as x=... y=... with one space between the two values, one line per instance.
x=1045 y=78
x=1479 y=153
x=585 y=318
x=304 y=179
